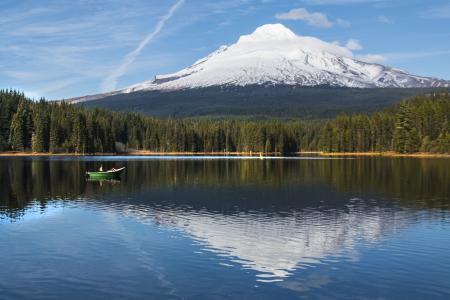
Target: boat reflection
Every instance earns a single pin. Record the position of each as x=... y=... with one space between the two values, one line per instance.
x=102 y=182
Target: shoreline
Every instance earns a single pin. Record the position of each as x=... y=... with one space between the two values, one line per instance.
x=255 y=154
x=387 y=154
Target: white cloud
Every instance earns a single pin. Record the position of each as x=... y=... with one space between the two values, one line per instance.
x=384 y=19
x=343 y=23
x=316 y=19
x=353 y=45
x=110 y=82
x=372 y=58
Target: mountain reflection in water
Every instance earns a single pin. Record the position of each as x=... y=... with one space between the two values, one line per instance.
x=272 y=217
x=274 y=244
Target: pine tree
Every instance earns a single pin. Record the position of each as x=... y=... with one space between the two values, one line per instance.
x=425 y=144
x=413 y=141
x=326 y=138
x=16 y=139
x=4 y=127
x=91 y=140
x=79 y=133
x=20 y=131
x=403 y=140
x=443 y=143
x=54 y=136
x=40 y=136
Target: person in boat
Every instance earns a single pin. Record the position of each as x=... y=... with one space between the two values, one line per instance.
x=101 y=168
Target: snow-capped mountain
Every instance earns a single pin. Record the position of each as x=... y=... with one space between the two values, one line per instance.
x=273 y=54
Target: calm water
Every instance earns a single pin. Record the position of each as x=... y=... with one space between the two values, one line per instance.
x=196 y=228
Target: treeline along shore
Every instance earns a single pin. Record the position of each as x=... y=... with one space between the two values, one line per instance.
x=420 y=124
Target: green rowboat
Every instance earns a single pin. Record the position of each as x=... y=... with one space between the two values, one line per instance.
x=110 y=174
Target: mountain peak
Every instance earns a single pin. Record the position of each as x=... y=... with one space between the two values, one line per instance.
x=278 y=36
x=271 y=32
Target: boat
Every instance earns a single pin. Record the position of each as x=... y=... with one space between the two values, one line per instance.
x=110 y=174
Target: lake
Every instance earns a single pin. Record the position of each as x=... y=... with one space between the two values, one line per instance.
x=225 y=228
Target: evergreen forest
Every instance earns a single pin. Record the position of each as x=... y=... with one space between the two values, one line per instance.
x=418 y=124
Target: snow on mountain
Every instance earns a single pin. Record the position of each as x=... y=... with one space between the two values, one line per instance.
x=273 y=54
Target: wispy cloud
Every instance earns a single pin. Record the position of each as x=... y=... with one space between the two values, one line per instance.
x=11 y=17
x=384 y=20
x=372 y=58
x=401 y=56
x=438 y=12
x=110 y=82
x=343 y=23
x=342 y=2
x=84 y=41
x=69 y=48
x=353 y=45
x=316 y=19
x=59 y=49
x=18 y=75
x=55 y=85
x=58 y=85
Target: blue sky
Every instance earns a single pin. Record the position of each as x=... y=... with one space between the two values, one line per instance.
x=59 y=49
